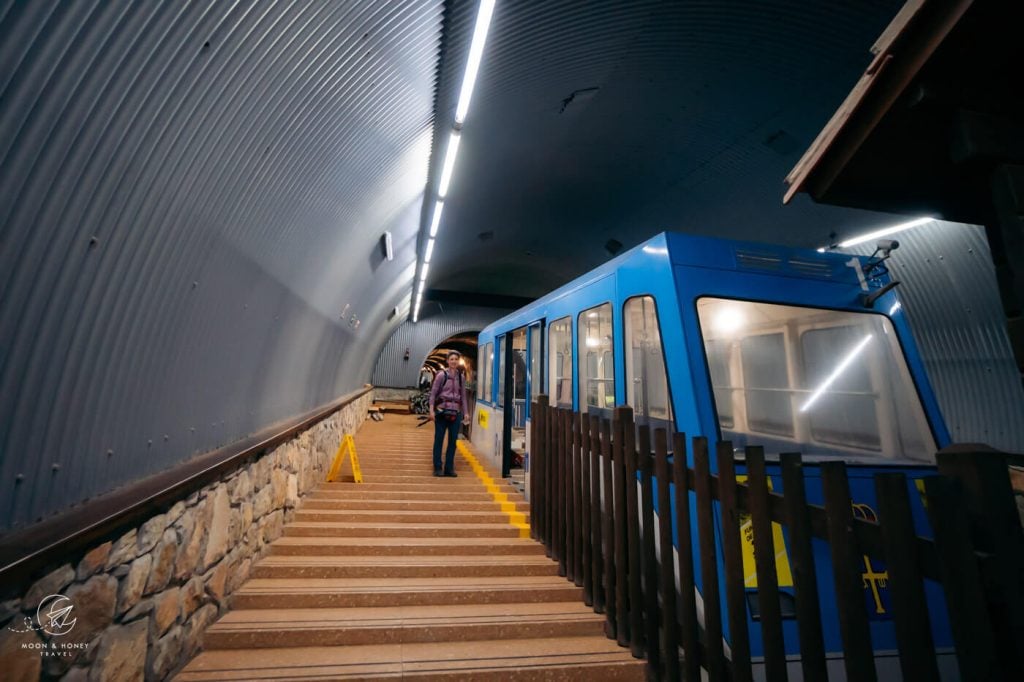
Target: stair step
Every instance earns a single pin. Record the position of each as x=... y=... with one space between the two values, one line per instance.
x=563 y=658
x=402 y=567
x=465 y=483
x=327 y=546
x=358 y=492
x=431 y=530
x=276 y=593
x=400 y=516
x=406 y=505
x=259 y=628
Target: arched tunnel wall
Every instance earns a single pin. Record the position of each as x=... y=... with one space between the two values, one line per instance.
x=393 y=370
x=190 y=225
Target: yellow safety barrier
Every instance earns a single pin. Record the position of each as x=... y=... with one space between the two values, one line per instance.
x=347 y=447
x=516 y=518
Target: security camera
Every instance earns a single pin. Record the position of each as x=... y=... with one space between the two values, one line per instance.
x=884 y=246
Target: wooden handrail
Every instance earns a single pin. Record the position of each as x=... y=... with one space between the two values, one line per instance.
x=27 y=553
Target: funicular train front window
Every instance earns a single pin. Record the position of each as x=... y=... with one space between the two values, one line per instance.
x=823 y=382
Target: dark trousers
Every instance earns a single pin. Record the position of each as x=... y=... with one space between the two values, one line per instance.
x=441 y=427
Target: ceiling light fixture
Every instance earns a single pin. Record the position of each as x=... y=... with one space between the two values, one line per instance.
x=876 y=234
x=435 y=221
x=476 y=52
x=449 y=164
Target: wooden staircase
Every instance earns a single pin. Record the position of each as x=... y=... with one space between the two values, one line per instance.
x=408 y=576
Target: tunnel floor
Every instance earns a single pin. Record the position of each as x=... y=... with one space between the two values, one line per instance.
x=408 y=575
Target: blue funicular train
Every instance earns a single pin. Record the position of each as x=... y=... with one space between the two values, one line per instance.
x=790 y=349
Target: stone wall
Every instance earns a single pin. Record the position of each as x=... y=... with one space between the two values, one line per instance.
x=384 y=393
x=142 y=602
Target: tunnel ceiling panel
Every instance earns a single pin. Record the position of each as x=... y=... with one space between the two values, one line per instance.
x=617 y=120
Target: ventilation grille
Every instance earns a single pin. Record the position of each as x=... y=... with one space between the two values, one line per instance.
x=758 y=260
x=811 y=268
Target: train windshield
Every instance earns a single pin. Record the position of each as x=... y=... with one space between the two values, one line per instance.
x=825 y=383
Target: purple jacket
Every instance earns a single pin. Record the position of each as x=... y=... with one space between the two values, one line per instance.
x=449 y=396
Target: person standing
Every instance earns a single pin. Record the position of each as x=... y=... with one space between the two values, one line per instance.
x=448 y=409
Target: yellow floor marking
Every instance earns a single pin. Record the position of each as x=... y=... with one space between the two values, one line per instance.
x=516 y=518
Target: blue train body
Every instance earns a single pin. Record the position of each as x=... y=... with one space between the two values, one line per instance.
x=756 y=342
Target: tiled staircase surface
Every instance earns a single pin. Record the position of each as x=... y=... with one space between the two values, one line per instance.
x=408 y=576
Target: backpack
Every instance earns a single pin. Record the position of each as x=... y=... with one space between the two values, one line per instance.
x=450 y=415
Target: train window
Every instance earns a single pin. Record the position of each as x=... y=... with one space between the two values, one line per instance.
x=502 y=340
x=535 y=357
x=597 y=365
x=483 y=388
x=824 y=382
x=646 y=378
x=721 y=379
x=853 y=420
x=481 y=353
x=766 y=378
x=560 y=363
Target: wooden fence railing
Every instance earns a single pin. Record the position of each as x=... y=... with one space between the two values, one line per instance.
x=601 y=530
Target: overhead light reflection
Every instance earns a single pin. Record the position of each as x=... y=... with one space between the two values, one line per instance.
x=729 y=320
x=850 y=357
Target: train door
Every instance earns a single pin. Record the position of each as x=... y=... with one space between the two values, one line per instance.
x=534 y=383
x=512 y=396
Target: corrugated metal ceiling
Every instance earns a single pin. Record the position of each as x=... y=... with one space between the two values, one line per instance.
x=193 y=195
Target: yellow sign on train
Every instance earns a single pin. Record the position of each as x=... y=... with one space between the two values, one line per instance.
x=782 y=571
x=481 y=418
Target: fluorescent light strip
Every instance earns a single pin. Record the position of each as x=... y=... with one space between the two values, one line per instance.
x=449 y=164
x=436 y=220
x=838 y=371
x=476 y=51
x=884 y=232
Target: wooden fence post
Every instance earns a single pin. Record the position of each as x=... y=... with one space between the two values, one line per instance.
x=577 y=503
x=689 y=626
x=634 y=549
x=585 y=514
x=909 y=605
x=708 y=560
x=858 y=656
x=608 y=531
x=764 y=560
x=961 y=580
x=597 y=552
x=621 y=547
x=732 y=553
x=649 y=555
x=667 y=575
x=995 y=527
x=805 y=581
